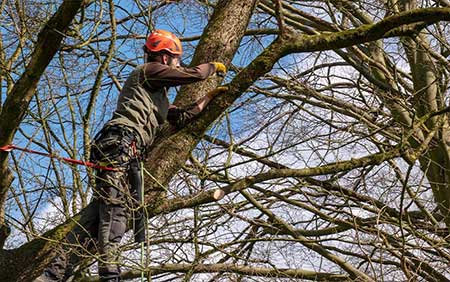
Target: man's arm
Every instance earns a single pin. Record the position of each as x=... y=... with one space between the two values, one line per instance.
x=157 y=75
x=179 y=117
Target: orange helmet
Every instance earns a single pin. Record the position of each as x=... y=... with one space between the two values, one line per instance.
x=161 y=40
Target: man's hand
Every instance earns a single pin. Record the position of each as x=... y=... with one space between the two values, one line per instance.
x=221 y=69
x=219 y=90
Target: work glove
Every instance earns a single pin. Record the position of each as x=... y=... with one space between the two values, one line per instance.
x=221 y=69
x=219 y=90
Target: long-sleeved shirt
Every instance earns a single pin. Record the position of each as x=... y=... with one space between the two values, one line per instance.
x=143 y=104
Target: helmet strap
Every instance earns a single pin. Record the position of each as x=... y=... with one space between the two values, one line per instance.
x=145 y=57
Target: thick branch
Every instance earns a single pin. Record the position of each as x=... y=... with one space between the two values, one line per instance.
x=238 y=269
x=388 y=27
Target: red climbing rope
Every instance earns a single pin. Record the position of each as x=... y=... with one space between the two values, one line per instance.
x=10 y=147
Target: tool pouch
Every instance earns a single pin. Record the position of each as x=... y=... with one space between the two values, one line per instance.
x=135 y=178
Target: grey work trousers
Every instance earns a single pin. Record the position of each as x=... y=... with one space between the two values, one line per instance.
x=104 y=221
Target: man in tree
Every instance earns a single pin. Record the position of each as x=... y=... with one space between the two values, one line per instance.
x=143 y=106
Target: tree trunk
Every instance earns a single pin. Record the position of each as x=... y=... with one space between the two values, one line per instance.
x=167 y=157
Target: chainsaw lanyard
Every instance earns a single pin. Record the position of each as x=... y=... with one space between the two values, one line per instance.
x=10 y=147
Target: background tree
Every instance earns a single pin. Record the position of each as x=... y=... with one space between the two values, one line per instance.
x=331 y=144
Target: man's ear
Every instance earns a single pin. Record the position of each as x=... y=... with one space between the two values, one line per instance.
x=164 y=59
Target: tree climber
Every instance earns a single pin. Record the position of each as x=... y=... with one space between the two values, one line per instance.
x=142 y=107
